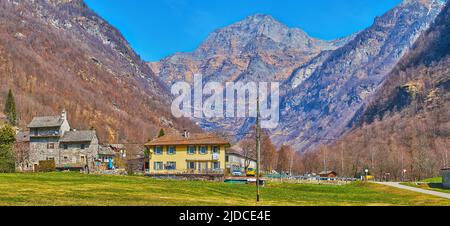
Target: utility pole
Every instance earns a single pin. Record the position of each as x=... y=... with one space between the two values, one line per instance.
x=258 y=148
x=403 y=166
x=59 y=157
x=342 y=159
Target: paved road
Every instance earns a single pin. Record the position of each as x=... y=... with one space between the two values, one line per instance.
x=398 y=185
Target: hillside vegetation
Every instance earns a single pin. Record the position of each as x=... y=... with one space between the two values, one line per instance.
x=60 y=54
x=406 y=126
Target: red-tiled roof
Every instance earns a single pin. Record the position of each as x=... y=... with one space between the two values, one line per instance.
x=327 y=172
x=192 y=139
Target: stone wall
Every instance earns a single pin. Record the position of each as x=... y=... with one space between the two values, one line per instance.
x=73 y=156
x=39 y=149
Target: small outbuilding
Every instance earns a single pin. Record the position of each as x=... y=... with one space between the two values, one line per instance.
x=239 y=160
x=328 y=174
x=106 y=156
x=445 y=177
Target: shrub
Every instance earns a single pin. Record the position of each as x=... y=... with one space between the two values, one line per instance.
x=7 y=160
x=47 y=166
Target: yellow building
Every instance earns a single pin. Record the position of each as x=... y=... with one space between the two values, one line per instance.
x=187 y=154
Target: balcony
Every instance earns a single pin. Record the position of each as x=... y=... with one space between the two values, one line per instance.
x=40 y=134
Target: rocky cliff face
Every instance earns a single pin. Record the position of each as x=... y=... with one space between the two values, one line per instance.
x=421 y=80
x=58 y=54
x=259 y=48
x=406 y=124
x=258 y=45
x=329 y=90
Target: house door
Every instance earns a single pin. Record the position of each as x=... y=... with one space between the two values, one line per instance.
x=203 y=166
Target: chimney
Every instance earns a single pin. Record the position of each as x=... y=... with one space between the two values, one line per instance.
x=64 y=115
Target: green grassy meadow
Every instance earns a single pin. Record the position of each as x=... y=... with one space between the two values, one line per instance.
x=437 y=180
x=433 y=184
x=73 y=189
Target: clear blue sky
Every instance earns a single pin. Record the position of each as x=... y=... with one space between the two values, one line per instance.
x=158 y=28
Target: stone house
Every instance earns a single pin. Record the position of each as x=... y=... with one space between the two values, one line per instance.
x=51 y=138
x=77 y=150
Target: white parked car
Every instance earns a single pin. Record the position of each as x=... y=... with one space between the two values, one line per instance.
x=236 y=173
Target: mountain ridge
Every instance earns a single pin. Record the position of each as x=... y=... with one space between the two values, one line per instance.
x=405 y=127
x=256 y=35
x=44 y=44
x=257 y=48
x=340 y=83
x=429 y=53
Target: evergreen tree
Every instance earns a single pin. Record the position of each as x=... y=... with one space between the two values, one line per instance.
x=7 y=139
x=10 y=108
x=161 y=133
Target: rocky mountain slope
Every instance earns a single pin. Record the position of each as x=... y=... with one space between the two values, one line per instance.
x=421 y=80
x=406 y=125
x=258 y=48
x=258 y=45
x=57 y=54
x=331 y=89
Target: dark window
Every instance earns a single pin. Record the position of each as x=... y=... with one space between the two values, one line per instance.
x=158 y=150
x=216 y=165
x=191 y=165
x=171 y=166
x=171 y=150
x=191 y=150
x=83 y=147
x=216 y=149
x=65 y=146
x=204 y=150
x=158 y=166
